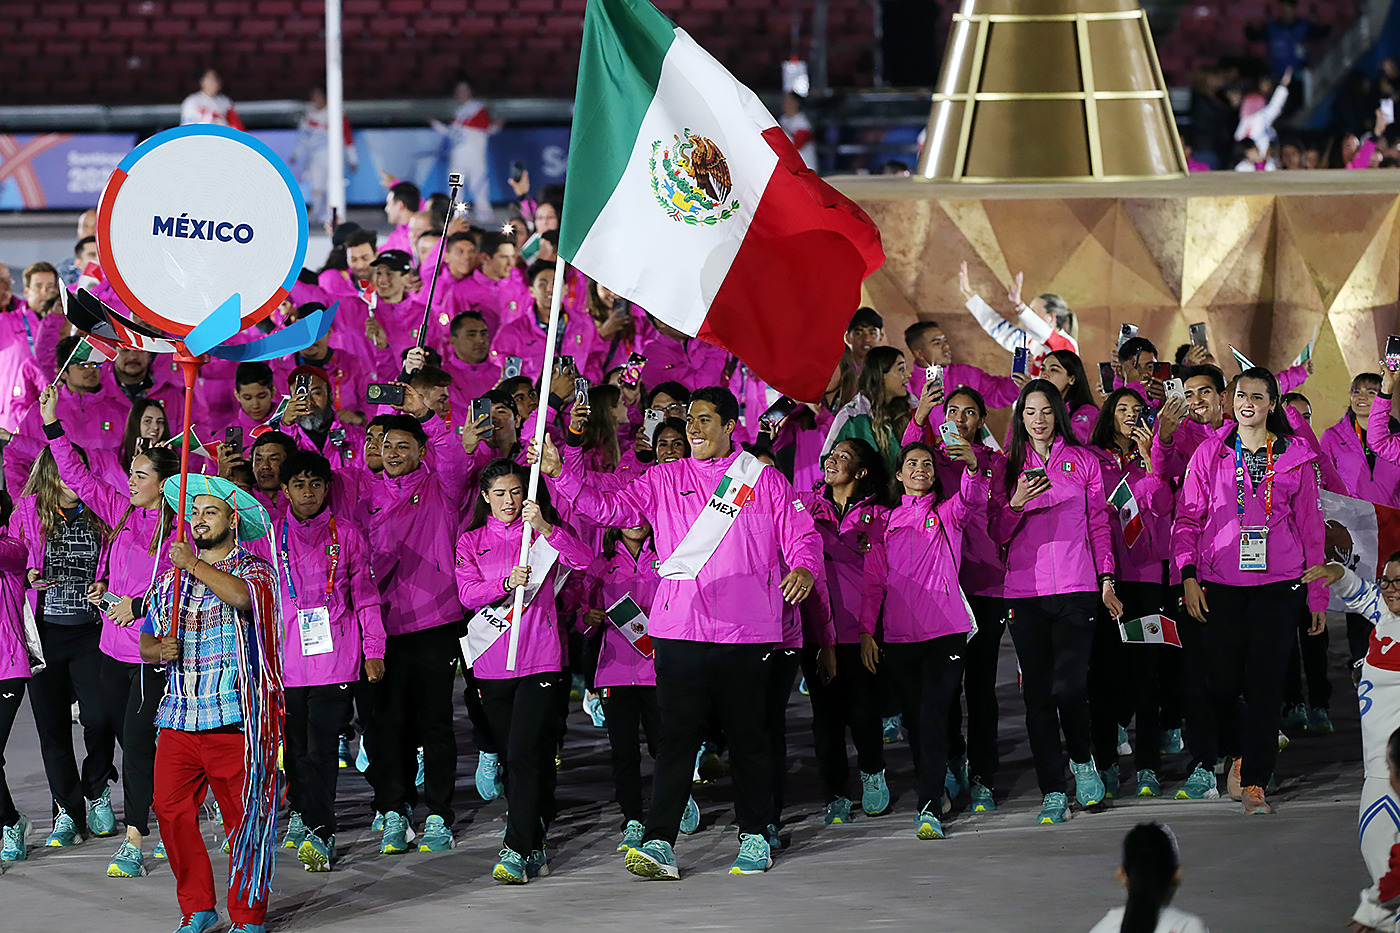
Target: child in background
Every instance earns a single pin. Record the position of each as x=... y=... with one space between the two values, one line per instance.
x=1151 y=871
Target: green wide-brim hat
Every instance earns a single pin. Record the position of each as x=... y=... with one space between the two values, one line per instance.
x=253 y=520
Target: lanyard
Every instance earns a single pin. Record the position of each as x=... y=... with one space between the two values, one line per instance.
x=1241 y=473
x=333 y=551
x=1361 y=436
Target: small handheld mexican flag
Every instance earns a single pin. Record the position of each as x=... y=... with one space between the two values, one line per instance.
x=632 y=623
x=1128 y=512
x=530 y=251
x=92 y=275
x=1241 y=360
x=368 y=295
x=197 y=447
x=1307 y=352
x=1150 y=630
x=89 y=348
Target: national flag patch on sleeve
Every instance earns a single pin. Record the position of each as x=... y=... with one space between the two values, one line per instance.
x=1067 y=466
x=797 y=504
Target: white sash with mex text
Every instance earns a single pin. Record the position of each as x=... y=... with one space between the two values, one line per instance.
x=734 y=491
x=492 y=622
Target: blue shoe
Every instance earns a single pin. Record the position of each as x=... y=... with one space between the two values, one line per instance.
x=315 y=854
x=892 y=729
x=1124 y=746
x=488 y=765
x=537 y=864
x=1201 y=785
x=1111 y=781
x=418 y=778
x=955 y=780
x=927 y=825
x=13 y=847
x=770 y=836
x=874 y=793
x=197 y=922
x=593 y=706
x=802 y=688
x=296 y=832
x=436 y=836
x=1054 y=809
x=1088 y=786
x=632 y=835
x=1147 y=783
x=1296 y=717
x=755 y=857
x=247 y=928
x=982 y=801
x=708 y=766
x=690 y=819
x=510 y=868
x=159 y=851
x=1170 y=742
x=654 y=860
x=102 y=822
x=1319 y=723
x=343 y=752
x=362 y=758
x=65 y=831
x=837 y=812
x=127 y=862
x=396 y=834
x=376 y=825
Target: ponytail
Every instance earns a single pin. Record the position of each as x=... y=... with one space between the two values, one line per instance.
x=1150 y=862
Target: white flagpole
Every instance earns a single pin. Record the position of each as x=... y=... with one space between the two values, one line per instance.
x=335 y=113
x=541 y=416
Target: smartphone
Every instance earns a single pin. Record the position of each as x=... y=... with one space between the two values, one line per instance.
x=385 y=393
x=1175 y=388
x=581 y=387
x=1147 y=418
x=950 y=434
x=1392 y=353
x=777 y=413
x=632 y=370
x=517 y=170
x=1035 y=473
x=511 y=368
x=1020 y=358
x=481 y=407
x=337 y=437
x=1106 y=378
x=42 y=584
x=651 y=420
x=1161 y=371
x=935 y=375
x=1126 y=332
x=108 y=601
x=233 y=438
x=1198 y=336
x=565 y=364
x=301 y=384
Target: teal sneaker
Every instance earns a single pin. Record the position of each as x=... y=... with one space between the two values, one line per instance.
x=1111 y=782
x=362 y=758
x=982 y=801
x=247 y=928
x=197 y=922
x=770 y=835
x=632 y=835
x=488 y=767
x=874 y=793
x=802 y=688
x=576 y=687
x=296 y=832
x=1088 y=786
x=537 y=864
x=754 y=855
x=654 y=860
x=927 y=825
x=65 y=831
x=1054 y=809
x=955 y=780
x=1201 y=785
x=102 y=822
x=837 y=812
x=1170 y=742
x=690 y=819
x=397 y=834
x=13 y=847
x=1296 y=717
x=1125 y=747
x=510 y=868
x=1319 y=723
x=316 y=854
x=419 y=778
x=342 y=752
x=1147 y=783
x=127 y=862
x=159 y=851
x=376 y=825
x=436 y=835
x=708 y=766
x=891 y=729
x=593 y=706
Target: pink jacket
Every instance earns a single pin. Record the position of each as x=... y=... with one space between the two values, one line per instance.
x=736 y=597
x=96 y=419
x=19 y=329
x=1061 y=541
x=337 y=283
x=911 y=568
x=470 y=381
x=1141 y=563
x=1379 y=483
x=485 y=557
x=412 y=525
x=498 y=300
x=1206 y=533
x=619 y=664
x=14 y=656
x=525 y=337
x=357 y=626
x=996 y=391
x=691 y=362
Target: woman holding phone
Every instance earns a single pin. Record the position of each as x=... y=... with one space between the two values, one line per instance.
x=1050 y=512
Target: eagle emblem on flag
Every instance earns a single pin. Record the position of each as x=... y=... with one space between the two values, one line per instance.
x=690 y=179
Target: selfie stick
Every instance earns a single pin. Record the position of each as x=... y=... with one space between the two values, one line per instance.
x=454 y=183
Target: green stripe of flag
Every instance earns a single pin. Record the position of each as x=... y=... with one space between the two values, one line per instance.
x=624 y=45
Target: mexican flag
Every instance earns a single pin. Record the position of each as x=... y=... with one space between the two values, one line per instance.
x=632 y=622
x=685 y=196
x=733 y=491
x=1129 y=514
x=1360 y=536
x=1307 y=352
x=1150 y=630
x=1241 y=360
x=90 y=348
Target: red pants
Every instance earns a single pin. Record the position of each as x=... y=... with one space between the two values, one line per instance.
x=189 y=764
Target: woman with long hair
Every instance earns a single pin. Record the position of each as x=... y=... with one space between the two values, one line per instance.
x=1248 y=525
x=1050 y=512
x=141 y=525
x=1125 y=680
x=519 y=702
x=606 y=414
x=1151 y=871
x=146 y=427
x=883 y=407
x=1065 y=370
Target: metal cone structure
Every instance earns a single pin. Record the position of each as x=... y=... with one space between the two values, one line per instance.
x=1050 y=90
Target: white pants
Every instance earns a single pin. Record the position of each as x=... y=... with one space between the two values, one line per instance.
x=468 y=159
x=1378 y=819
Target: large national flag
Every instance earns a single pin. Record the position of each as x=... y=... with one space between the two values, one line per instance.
x=685 y=196
x=1360 y=535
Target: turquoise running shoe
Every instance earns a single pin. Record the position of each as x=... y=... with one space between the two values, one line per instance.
x=1170 y=742
x=982 y=801
x=927 y=825
x=159 y=851
x=510 y=868
x=12 y=846
x=396 y=834
x=770 y=835
x=837 y=812
x=65 y=831
x=1319 y=723
x=1201 y=785
x=316 y=854
x=216 y=815
x=690 y=819
x=1124 y=746
x=102 y=822
x=576 y=687
x=955 y=781
x=1147 y=783
x=436 y=837
x=127 y=862
x=655 y=860
x=197 y=922
x=632 y=835
x=874 y=793
x=343 y=752
x=1111 y=782
x=537 y=864
x=362 y=758
x=247 y=928
x=488 y=767
x=376 y=825
x=419 y=778
x=892 y=729
x=754 y=855
x=1296 y=717
x=708 y=766
x=593 y=706
x=1054 y=809
x=1088 y=786
x=296 y=832
x=802 y=688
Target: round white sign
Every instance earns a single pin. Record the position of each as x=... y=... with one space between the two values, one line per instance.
x=197 y=214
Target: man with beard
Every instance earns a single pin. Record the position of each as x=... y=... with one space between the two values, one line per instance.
x=133 y=377
x=220 y=719
x=310 y=416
